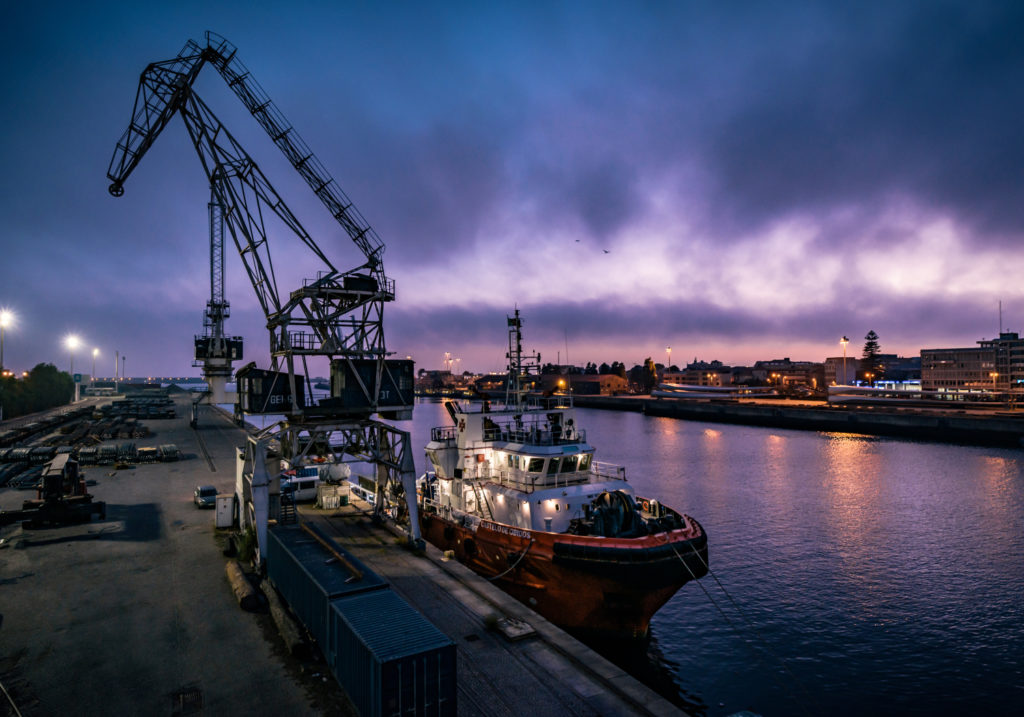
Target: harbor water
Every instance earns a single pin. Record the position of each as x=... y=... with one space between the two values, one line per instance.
x=852 y=575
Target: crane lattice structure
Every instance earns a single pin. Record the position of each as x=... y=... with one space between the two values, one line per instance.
x=215 y=351
x=338 y=314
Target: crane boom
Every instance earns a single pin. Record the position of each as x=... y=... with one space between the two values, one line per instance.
x=337 y=315
x=165 y=86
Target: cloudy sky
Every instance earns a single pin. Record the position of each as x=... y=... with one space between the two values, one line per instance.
x=735 y=180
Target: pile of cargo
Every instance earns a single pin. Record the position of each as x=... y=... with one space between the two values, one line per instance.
x=145 y=407
x=19 y=475
x=389 y=658
x=25 y=432
x=127 y=453
x=16 y=464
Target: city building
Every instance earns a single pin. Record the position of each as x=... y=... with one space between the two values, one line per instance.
x=607 y=384
x=700 y=373
x=841 y=370
x=784 y=372
x=996 y=364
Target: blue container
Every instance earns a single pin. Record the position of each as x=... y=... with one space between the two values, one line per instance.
x=308 y=577
x=390 y=659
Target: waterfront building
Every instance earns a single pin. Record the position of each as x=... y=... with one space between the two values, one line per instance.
x=840 y=371
x=784 y=372
x=606 y=384
x=996 y=364
x=701 y=373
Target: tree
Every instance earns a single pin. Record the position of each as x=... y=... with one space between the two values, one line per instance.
x=604 y=369
x=869 y=363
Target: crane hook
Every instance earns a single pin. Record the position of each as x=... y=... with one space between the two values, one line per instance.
x=116 y=189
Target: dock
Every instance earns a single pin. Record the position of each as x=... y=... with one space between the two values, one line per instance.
x=134 y=615
x=946 y=425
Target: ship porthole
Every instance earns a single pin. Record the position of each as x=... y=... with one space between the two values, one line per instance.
x=469 y=547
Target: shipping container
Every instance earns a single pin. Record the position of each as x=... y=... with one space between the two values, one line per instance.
x=390 y=659
x=309 y=576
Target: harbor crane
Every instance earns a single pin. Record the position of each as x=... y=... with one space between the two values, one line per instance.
x=335 y=315
x=215 y=351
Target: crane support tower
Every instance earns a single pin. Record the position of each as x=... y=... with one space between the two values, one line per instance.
x=215 y=351
x=335 y=315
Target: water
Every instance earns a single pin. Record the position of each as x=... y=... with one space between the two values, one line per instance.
x=868 y=574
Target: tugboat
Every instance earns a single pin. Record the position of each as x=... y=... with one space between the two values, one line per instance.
x=516 y=495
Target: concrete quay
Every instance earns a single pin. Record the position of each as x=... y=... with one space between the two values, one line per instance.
x=134 y=614
x=946 y=425
x=547 y=673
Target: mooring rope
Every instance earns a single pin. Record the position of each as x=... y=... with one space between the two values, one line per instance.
x=518 y=560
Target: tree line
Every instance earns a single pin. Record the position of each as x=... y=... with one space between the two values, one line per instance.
x=44 y=387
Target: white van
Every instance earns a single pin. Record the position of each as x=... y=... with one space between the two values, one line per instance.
x=303 y=484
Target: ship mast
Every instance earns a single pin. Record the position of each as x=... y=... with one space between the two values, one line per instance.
x=518 y=371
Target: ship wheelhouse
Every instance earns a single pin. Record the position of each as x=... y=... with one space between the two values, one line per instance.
x=530 y=469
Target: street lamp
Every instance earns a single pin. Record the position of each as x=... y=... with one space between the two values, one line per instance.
x=668 y=350
x=844 y=341
x=95 y=353
x=72 y=343
x=869 y=376
x=6 y=319
x=993 y=376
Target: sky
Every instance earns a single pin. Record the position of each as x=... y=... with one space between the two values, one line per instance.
x=738 y=181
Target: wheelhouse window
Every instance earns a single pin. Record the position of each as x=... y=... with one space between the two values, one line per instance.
x=536 y=465
x=585 y=461
x=569 y=464
x=553 y=466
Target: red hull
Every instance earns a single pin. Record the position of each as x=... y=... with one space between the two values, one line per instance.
x=607 y=585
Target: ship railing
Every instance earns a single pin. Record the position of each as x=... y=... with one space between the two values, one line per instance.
x=534 y=436
x=445 y=510
x=443 y=434
x=608 y=471
x=536 y=481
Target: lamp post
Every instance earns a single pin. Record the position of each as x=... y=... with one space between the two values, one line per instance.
x=993 y=376
x=6 y=319
x=668 y=366
x=95 y=353
x=844 y=341
x=72 y=343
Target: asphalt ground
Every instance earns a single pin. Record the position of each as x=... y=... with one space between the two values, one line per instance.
x=134 y=615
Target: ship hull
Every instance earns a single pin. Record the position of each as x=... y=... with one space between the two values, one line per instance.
x=606 y=586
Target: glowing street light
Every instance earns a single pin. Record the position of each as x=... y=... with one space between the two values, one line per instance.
x=6 y=319
x=668 y=350
x=994 y=375
x=844 y=341
x=95 y=353
x=72 y=343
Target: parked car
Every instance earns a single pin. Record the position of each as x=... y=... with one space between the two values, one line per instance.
x=205 y=496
